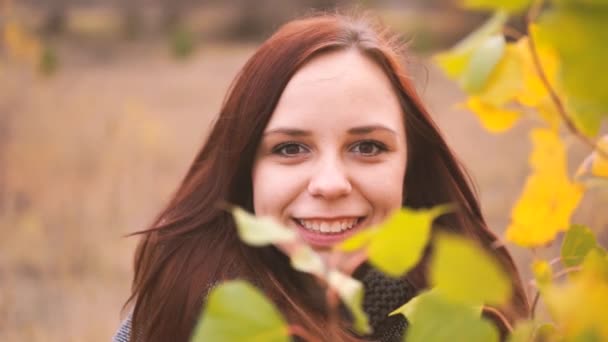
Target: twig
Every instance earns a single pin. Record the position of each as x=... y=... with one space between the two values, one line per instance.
x=512 y=32
x=532 y=15
x=557 y=275
x=534 y=304
x=566 y=271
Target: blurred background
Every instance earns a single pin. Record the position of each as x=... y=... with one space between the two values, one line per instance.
x=103 y=104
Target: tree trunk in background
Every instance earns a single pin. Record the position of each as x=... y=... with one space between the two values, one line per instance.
x=172 y=14
x=132 y=21
x=56 y=17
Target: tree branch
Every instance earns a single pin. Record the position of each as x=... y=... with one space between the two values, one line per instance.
x=561 y=109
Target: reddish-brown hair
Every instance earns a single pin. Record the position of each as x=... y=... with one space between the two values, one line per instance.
x=192 y=244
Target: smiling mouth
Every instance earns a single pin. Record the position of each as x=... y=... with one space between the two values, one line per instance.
x=327 y=232
x=332 y=226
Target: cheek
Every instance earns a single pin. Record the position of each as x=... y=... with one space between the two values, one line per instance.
x=274 y=186
x=383 y=186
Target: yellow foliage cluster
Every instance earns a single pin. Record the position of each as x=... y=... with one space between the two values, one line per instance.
x=503 y=82
x=548 y=198
x=21 y=45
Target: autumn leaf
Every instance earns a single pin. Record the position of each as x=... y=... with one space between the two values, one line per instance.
x=534 y=92
x=455 y=61
x=579 y=306
x=494 y=119
x=512 y=6
x=548 y=198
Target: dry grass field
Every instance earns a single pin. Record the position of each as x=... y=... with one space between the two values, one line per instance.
x=90 y=154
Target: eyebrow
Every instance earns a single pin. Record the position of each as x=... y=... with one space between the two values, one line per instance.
x=359 y=130
x=369 y=129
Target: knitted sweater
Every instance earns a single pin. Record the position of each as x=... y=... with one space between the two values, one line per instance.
x=382 y=296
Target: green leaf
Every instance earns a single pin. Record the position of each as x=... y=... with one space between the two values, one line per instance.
x=455 y=61
x=351 y=292
x=579 y=240
x=523 y=332
x=400 y=241
x=546 y=332
x=511 y=6
x=237 y=311
x=396 y=245
x=483 y=61
x=579 y=35
x=262 y=231
x=434 y=318
x=530 y=331
x=464 y=272
x=305 y=259
x=598 y=4
x=596 y=263
x=357 y=241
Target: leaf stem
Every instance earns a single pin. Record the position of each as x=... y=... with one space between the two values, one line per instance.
x=561 y=109
x=566 y=271
x=555 y=276
x=500 y=316
x=534 y=304
x=512 y=32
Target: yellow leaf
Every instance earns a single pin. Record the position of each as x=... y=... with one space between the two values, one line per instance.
x=549 y=153
x=579 y=306
x=548 y=112
x=543 y=274
x=506 y=80
x=453 y=62
x=20 y=44
x=548 y=198
x=534 y=91
x=493 y=118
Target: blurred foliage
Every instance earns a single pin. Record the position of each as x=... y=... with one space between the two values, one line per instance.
x=48 y=61
x=182 y=42
x=550 y=73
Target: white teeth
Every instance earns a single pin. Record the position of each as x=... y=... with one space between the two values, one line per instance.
x=334 y=226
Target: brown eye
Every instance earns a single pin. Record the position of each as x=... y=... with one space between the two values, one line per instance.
x=289 y=149
x=368 y=148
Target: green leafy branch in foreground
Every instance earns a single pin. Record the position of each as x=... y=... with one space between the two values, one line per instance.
x=464 y=279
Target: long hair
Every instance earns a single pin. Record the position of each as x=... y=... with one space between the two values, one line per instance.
x=192 y=244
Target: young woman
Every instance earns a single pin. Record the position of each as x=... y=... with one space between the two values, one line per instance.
x=322 y=129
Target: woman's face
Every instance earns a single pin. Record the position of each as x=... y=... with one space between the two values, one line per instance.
x=332 y=158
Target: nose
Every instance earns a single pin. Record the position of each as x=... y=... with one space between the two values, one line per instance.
x=329 y=181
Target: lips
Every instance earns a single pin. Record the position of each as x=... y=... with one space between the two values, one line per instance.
x=325 y=232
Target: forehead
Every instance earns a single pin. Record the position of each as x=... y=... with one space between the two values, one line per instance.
x=338 y=87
